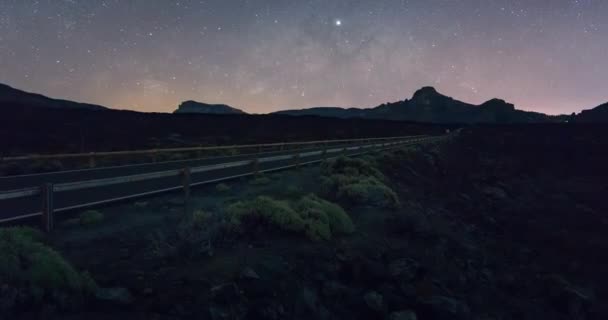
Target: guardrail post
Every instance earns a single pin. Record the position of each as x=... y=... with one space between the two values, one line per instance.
x=324 y=153
x=186 y=179
x=48 y=219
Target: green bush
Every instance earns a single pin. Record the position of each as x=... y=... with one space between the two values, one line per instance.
x=351 y=167
x=91 y=217
x=368 y=191
x=32 y=274
x=316 y=218
x=222 y=187
x=329 y=213
x=360 y=190
x=262 y=212
x=356 y=181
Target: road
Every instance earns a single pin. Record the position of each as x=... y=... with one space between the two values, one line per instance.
x=36 y=180
x=20 y=195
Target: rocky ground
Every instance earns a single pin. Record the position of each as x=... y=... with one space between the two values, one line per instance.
x=500 y=223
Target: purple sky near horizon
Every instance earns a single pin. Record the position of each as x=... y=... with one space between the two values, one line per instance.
x=542 y=55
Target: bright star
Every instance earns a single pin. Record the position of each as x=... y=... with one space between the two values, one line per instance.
x=338 y=23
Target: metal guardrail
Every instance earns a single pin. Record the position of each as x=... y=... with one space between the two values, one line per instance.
x=191 y=149
x=47 y=190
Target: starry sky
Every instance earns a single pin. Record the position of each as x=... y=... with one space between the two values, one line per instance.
x=265 y=55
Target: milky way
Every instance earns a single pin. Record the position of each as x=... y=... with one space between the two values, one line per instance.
x=265 y=55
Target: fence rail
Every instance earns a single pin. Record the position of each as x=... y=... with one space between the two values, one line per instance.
x=190 y=149
x=185 y=178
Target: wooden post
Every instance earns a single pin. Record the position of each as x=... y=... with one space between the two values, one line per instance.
x=46 y=191
x=186 y=179
x=296 y=159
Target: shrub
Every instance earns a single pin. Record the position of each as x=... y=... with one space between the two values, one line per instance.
x=316 y=218
x=368 y=191
x=222 y=187
x=91 y=217
x=351 y=167
x=359 y=190
x=356 y=181
x=33 y=275
x=330 y=213
x=262 y=212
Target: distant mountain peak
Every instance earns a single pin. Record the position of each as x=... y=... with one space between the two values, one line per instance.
x=425 y=92
x=497 y=104
x=192 y=106
x=427 y=95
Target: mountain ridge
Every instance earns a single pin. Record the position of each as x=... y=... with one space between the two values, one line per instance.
x=12 y=96
x=428 y=105
x=425 y=105
x=192 y=106
x=593 y=115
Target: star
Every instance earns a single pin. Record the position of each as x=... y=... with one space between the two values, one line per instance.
x=338 y=23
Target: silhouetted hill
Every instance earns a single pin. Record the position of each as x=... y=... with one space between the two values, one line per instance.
x=597 y=114
x=428 y=105
x=198 y=107
x=14 y=98
x=334 y=112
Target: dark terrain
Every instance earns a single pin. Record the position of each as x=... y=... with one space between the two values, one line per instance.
x=42 y=131
x=503 y=222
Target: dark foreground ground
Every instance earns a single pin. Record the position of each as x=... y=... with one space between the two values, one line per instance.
x=500 y=223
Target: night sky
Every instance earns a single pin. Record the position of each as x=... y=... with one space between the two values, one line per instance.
x=265 y=55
